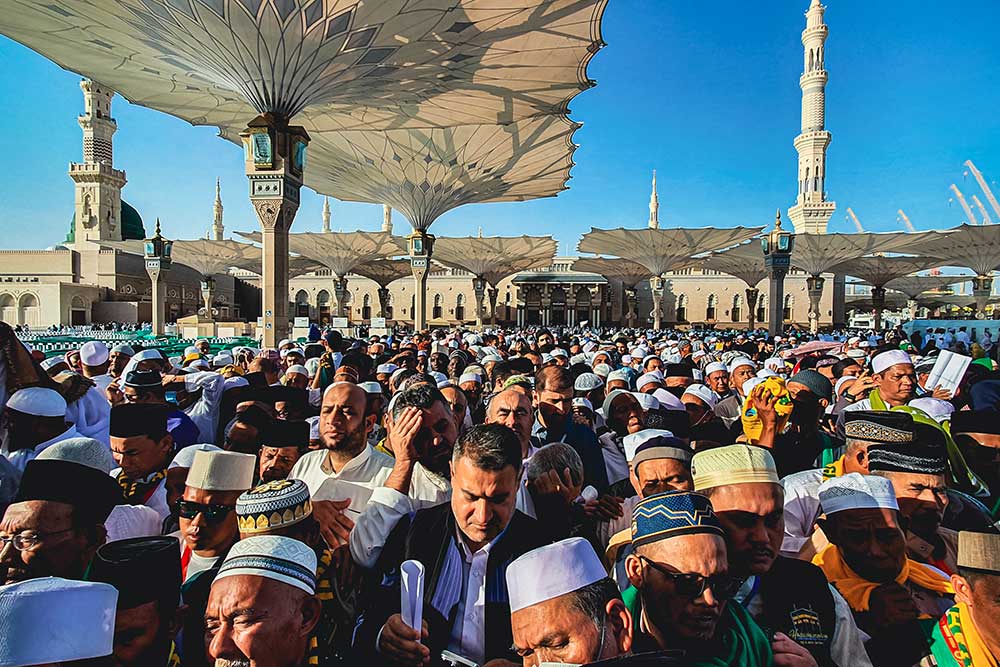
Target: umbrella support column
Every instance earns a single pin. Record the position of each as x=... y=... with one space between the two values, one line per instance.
x=753 y=295
x=911 y=308
x=340 y=293
x=814 y=287
x=421 y=246
x=656 y=287
x=878 y=301
x=492 y=293
x=632 y=304
x=479 y=289
x=982 y=286
x=383 y=301
x=275 y=156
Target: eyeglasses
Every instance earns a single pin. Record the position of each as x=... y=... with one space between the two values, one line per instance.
x=188 y=509
x=28 y=541
x=692 y=586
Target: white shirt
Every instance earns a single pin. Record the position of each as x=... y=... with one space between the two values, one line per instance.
x=205 y=413
x=91 y=413
x=356 y=480
x=102 y=381
x=468 y=634
x=524 y=502
x=158 y=500
x=614 y=459
x=801 y=509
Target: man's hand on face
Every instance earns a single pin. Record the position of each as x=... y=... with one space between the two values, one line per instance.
x=604 y=508
x=891 y=604
x=334 y=525
x=401 y=644
x=554 y=483
x=789 y=654
x=402 y=434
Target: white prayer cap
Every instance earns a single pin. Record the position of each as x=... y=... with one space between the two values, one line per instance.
x=85 y=451
x=185 y=456
x=530 y=580
x=52 y=362
x=312 y=365
x=143 y=355
x=702 y=392
x=559 y=352
x=765 y=373
x=841 y=382
x=38 y=401
x=855 y=491
x=775 y=364
x=491 y=358
x=864 y=344
x=191 y=349
x=698 y=354
x=234 y=382
x=283 y=342
x=741 y=361
x=716 y=366
x=853 y=340
x=668 y=400
x=200 y=364
x=470 y=377
x=882 y=362
x=750 y=384
x=626 y=359
x=124 y=349
x=297 y=368
x=222 y=471
x=438 y=376
x=582 y=402
x=648 y=378
x=633 y=441
x=128 y=521
x=54 y=620
x=638 y=352
x=222 y=359
x=646 y=401
x=371 y=387
x=856 y=353
x=273 y=557
x=387 y=369
x=93 y=353
x=935 y=408
x=588 y=382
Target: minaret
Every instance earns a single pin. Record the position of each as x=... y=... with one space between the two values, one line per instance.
x=326 y=215
x=386 y=218
x=98 y=185
x=217 y=228
x=812 y=211
x=654 y=206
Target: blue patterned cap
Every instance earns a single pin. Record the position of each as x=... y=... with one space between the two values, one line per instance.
x=672 y=514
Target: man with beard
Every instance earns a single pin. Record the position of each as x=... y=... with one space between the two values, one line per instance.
x=784 y=594
x=421 y=436
x=56 y=521
x=918 y=474
x=681 y=573
x=623 y=416
x=118 y=358
x=458 y=402
x=35 y=418
x=284 y=443
x=146 y=571
x=263 y=608
x=717 y=379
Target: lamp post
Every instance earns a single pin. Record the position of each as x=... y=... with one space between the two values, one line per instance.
x=878 y=304
x=814 y=288
x=982 y=286
x=656 y=287
x=157 y=255
x=208 y=297
x=479 y=289
x=777 y=247
x=421 y=245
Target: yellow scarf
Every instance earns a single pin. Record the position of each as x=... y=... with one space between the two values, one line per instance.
x=835 y=469
x=857 y=591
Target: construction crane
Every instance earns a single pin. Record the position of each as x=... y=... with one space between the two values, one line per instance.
x=857 y=223
x=982 y=210
x=906 y=221
x=986 y=189
x=965 y=205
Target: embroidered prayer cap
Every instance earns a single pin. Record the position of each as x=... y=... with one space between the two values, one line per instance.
x=185 y=456
x=972 y=421
x=918 y=457
x=38 y=402
x=647 y=401
x=470 y=377
x=878 y=426
x=282 y=433
x=672 y=514
x=143 y=569
x=386 y=369
x=924 y=365
x=222 y=471
x=855 y=491
x=653 y=444
x=530 y=580
x=272 y=557
x=277 y=504
x=91 y=492
x=124 y=349
x=715 y=367
x=150 y=379
x=53 y=620
x=94 y=353
x=581 y=402
x=129 y=420
x=588 y=382
x=741 y=361
x=51 y=362
x=297 y=369
x=732 y=464
x=702 y=392
x=857 y=354
x=979 y=551
x=85 y=451
x=886 y=360
x=619 y=374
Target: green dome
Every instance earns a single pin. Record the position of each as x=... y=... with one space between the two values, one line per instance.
x=132 y=227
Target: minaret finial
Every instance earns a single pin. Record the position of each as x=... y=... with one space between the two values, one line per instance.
x=654 y=206
x=326 y=215
x=777 y=220
x=157 y=226
x=217 y=228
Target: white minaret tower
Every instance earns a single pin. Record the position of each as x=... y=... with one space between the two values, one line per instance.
x=98 y=185
x=217 y=228
x=654 y=206
x=326 y=215
x=386 y=218
x=812 y=211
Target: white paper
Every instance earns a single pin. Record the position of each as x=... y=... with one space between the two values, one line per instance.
x=948 y=371
x=412 y=593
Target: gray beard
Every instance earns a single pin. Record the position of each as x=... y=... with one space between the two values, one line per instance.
x=238 y=662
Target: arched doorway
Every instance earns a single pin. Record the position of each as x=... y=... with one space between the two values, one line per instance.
x=460 y=307
x=28 y=306
x=761 y=308
x=437 y=310
x=8 y=309
x=682 y=308
x=712 y=308
x=737 y=309
x=533 y=306
x=558 y=307
x=366 y=307
x=302 y=303
x=582 y=305
x=78 y=311
x=323 y=307
x=789 y=305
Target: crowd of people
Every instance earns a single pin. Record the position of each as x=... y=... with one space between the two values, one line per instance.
x=502 y=497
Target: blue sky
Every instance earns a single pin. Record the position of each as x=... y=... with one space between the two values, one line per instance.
x=705 y=93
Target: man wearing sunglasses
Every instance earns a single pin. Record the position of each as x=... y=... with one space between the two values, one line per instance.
x=680 y=571
x=811 y=621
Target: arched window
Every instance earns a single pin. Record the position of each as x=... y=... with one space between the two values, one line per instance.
x=388 y=307
x=8 y=311
x=761 y=308
x=302 y=303
x=436 y=311
x=786 y=311
x=737 y=309
x=460 y=307
x=28 y=305
x=812 y=61
x=712 y=307
x=323 y=307
x=682 y=308
x=366 y=307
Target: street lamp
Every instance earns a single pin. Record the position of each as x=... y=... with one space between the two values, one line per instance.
x=208 y=297
x=777 y=247
x=421 y=245
x=656 y=286
x=157 y=254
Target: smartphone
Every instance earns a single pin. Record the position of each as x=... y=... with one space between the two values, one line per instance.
x=171 y=397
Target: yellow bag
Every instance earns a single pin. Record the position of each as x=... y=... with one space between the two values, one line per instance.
x=752 y=425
